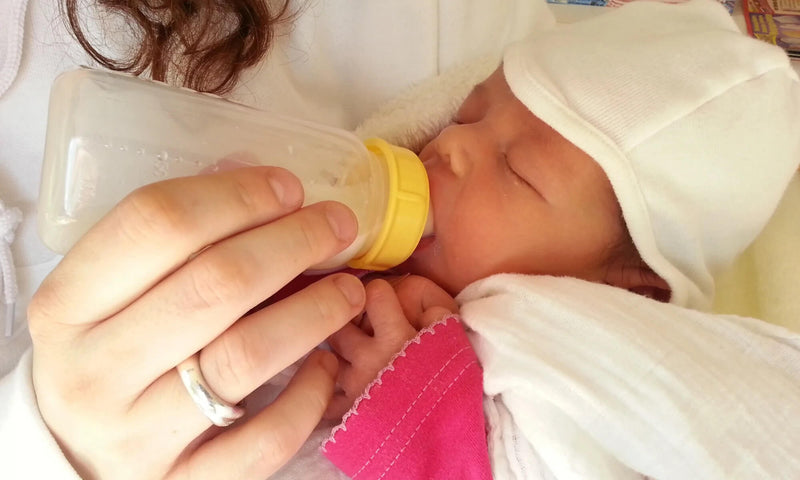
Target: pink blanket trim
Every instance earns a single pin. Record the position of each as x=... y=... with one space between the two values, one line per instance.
x=422 y=417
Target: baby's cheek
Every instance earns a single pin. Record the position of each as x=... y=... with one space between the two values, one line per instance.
x=463 y=264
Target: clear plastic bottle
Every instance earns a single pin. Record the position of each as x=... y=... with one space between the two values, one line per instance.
x=110 y=133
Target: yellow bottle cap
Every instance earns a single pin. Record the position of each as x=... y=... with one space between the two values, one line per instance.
x=406 y=210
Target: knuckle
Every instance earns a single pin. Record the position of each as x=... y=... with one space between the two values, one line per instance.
x=273 y=449
x=152 y=212
x=250 y=191
x=230 y=364
x=40 y=311
x=73 y=390
x=45 y=308
x=79 y=389
x=214 y=282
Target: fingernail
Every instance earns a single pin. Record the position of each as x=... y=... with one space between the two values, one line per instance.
x=342 y=221
x=285 y=188
x=351 y=288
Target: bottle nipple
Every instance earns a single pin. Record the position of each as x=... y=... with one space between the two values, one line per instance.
x=428 y=230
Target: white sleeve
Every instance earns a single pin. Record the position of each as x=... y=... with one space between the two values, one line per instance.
x=27 y=449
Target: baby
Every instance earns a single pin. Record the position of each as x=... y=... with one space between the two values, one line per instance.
x=500 y=176
x=618 y=151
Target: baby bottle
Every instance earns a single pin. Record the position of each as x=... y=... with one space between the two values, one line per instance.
x=109 y=133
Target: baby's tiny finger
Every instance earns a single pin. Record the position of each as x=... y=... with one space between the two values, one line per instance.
x=417 y=294
x=340 y=404
x=348 y=341
x=431 y=316
x=383 y=308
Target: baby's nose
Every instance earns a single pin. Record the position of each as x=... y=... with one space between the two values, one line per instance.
x=457 y=146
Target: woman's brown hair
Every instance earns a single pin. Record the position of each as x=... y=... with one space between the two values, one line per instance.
x=201 y=44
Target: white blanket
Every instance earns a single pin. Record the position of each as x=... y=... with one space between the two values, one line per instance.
x=590 y=381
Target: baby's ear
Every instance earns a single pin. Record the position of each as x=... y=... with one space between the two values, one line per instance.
x=638 y=278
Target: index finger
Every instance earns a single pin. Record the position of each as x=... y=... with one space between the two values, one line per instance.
x=153 y=231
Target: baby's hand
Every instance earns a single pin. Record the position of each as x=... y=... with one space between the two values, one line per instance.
x=395 y=311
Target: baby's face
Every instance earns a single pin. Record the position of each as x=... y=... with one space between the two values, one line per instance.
x=510 y=194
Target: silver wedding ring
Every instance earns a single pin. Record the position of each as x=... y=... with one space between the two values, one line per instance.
x=220 y=412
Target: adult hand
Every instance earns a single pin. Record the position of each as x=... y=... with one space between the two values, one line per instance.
x=396 y=310
x=133 y=299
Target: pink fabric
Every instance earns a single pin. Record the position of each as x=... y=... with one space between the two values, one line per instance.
x=422 y=418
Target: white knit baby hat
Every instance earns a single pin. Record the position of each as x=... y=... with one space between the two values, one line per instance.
x=696 y=125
